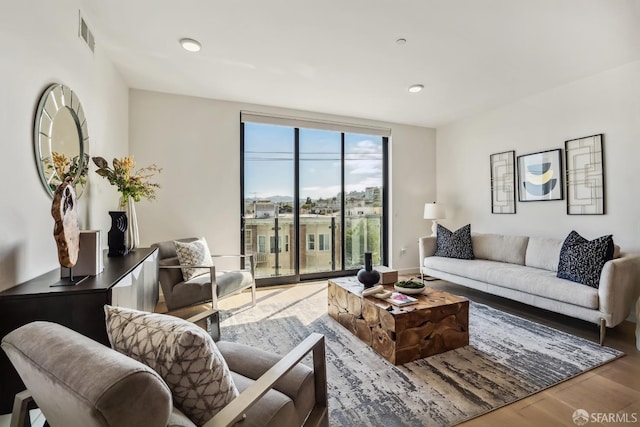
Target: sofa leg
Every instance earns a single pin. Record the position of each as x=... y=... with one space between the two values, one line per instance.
x=603 y=330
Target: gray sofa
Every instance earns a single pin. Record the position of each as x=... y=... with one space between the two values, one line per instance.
x=524 y=269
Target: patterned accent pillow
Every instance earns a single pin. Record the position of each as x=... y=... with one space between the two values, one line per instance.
x=193 y=253
x=183 y=354
x=582 y=260
x=454 y=244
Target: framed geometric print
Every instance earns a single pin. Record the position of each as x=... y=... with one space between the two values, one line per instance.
x=584 y=164
x=540 y=176
x=503 y=182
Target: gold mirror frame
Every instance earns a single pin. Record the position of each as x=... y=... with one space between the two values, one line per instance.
x=61 y=145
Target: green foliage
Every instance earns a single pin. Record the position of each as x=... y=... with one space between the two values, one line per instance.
x=362 y=235
x=135 y=185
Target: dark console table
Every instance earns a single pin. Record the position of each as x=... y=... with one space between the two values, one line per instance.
x=129 y=281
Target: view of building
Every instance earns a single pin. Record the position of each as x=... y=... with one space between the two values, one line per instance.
x=269 y=233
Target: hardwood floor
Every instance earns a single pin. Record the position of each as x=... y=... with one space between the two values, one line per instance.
x=610 y=391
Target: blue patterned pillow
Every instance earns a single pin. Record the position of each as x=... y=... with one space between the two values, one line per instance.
x=582 y=260
x=454 y=244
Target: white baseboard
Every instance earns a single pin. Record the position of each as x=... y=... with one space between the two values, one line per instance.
x=409 y=271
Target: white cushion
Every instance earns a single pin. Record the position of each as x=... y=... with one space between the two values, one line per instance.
x=544 y=283
x=193 y=253
x=534 y=281
x=498 y=247
x=183 y=354
x=543 y=253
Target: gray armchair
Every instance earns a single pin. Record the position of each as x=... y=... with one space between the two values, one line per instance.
x=179 y=293
x=76 y=381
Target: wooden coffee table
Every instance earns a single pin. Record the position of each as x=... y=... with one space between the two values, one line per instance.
x=439 y=322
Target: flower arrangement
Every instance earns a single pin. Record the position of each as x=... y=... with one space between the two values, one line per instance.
x=59 y=167
x=129 y=183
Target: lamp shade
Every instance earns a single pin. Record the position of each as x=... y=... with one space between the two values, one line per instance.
x=434 y=211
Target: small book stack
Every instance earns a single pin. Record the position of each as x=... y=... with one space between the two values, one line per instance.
x=401 y=299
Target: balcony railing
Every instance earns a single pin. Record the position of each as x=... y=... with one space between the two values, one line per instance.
x=273 y=243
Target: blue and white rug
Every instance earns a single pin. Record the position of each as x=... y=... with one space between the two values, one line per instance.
x=508 y=358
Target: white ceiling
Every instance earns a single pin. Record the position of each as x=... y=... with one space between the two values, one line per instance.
x=341 y=57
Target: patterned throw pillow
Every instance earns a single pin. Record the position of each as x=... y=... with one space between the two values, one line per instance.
x=193 y=253
x=582 y=260
x=183 y=354
x=454 y=244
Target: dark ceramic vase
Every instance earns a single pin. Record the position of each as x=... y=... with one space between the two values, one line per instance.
x=368 y=276
x=117 y=233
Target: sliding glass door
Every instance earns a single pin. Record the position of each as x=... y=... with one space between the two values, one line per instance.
x=320 y=183
x=364 y=184
x=268 y=199
x=313 y=200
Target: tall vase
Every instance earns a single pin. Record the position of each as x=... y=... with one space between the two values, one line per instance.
x=368 y=276
x=116 y=235
x=133 y=238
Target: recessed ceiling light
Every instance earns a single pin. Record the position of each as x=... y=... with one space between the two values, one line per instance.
x=190 y=44
x=401 y=41
x=415 y=88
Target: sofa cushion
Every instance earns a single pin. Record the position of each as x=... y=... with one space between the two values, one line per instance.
x=534 y=281
x=273 y=409
x=183 y=354
x=454 y=244
x=543 y=283
x=582 y=260
x=252 y=363
x=498 y=247
x=193 y=253
x=178 y=419
x=543 y=253
x=476 y=270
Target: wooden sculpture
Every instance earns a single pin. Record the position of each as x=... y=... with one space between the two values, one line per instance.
x=66 y=231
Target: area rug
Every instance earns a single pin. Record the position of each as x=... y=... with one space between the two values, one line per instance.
x=508 y=358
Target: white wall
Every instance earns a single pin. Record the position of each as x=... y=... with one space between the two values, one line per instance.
x=40 y=46
x=607 y=103
x=197 y=143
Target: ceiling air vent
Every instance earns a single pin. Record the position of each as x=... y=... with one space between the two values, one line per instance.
x=85 y=33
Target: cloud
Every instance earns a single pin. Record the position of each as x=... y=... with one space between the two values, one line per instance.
x=366 y=167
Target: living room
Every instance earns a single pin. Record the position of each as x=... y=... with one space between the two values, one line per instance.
x=436 y=152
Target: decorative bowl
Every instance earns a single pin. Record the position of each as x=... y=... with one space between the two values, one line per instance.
x=417 y=288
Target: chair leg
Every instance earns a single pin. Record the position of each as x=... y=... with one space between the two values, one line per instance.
x=253 y=294
x=20 y=414
x=214 y=302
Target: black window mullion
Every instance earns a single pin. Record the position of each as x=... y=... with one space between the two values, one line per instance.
x=384 y=259
x=342 y=208
x=242 y=213
x=296 y=201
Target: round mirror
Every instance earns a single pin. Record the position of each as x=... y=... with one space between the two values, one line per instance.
x=61 y=140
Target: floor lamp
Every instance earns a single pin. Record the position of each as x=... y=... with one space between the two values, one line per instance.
x=434 y=212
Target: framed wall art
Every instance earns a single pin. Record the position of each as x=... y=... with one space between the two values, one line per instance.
x=584 y=165
x=503 y=182
x=540 y=176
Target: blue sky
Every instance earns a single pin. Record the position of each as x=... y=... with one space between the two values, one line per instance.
x=269 y=162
